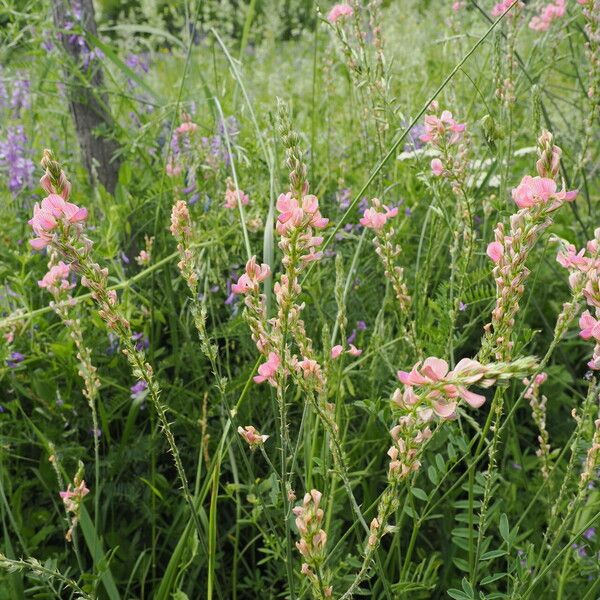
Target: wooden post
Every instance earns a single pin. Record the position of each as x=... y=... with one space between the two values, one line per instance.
x=88 y=102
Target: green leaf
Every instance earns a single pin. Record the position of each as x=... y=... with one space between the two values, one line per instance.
x=419 y=493
x=466 y=586
x=491 y=578
x=432 y=474
x=493 y=554
x=457 y=594
x=504 y=528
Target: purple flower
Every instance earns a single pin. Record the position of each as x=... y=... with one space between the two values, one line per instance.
x=343 y=198
x=14 y=359
x=20 y=98
x=114 y=344
x=13 y=158
x=138 y=62
x=361 y=325
x=351 y=337
x=413 y=141
x=139 y=390
x=141 y=341
x=407 y=212
x=589 y=533
x=462 y=306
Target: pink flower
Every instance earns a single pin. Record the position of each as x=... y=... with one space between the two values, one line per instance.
x=539 y=190
x=495 y=251
x=336 y=351
x=437 y=167
x=590 y=327
x=231 y=198
x=267 y=371
x=501 y=7
x=172 y=169
x=442 y=126
x=251 y=278
x=340 y=11
x=354 y=351
x=243 y=285
x=56 y=277
x=186 y=127
x=373 y=219
x=53 y=209
x=252 y=436
x=569 y=258
x=48 y=187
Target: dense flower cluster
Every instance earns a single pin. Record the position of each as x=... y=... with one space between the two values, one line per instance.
x=538 y=401
x=501 y=7
x=376 y=218
x=54 y=214
x=584 y=269
x=57 y=278
x=14 y=158
x=339 y=11
x=550 y=12
x=537 y=199
x=72 y=499
x=309 y=518
x=432 y=390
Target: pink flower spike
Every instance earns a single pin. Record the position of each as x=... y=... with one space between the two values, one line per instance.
x=495 y=251
x=336 y=351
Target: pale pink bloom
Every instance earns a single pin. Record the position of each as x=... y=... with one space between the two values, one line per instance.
x=309 y=366
x=186 y=127
x=252 y=436
x=590 y=327
x=231 y=198
x=243 y=285
x=267 y=371
x=336 y=351
x=48 y=187
x=340 y=11
x=569 y=258
x=437 y=127
x=57 y=277
x=373 y=219
x=257 y=272
x=173 y=169
x=437 y=167
x=469 y=370
x=501 y=7
x=537 y=190
x=471 y=398
x=456 y=6
x=495 y=251
x=354 y=351
x=254 y=274
x=72 y=497
x=434 y=368
x=142 y=258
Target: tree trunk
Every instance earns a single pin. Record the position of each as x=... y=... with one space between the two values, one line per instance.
x=88 y=102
